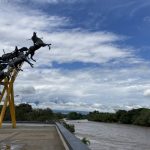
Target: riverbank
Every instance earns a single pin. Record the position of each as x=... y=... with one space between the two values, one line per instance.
x=139 y=116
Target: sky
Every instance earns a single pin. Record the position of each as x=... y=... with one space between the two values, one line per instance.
x=100 y=55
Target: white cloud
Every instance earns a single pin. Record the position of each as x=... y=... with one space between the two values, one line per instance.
x=55 y=1
x=18 y=23
x=83 y=47
x=86 y=89
x=147 y=92
x=68 y=46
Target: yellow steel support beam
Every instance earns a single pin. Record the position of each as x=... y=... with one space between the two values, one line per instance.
x=11 y=105
x=8 y=96
x=3 y=109
x=2 y=94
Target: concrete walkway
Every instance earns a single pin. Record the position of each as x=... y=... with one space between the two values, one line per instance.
x=30 y=137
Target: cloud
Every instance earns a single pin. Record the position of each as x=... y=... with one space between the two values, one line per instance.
x=100 y=88
x=147 y=92
x=68 y=46
x=86 y=89
x=84 y=47
x=55 y=1
x=17 y=24
x=43 y=1
x=25 y=90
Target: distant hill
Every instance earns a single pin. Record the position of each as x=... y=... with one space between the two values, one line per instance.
x=68 y=111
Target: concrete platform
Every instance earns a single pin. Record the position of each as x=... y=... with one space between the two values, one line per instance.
x=30 y=137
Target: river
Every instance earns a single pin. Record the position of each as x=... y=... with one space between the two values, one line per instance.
x=107 y=136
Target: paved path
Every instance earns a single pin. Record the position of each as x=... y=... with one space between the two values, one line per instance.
x=30 y=137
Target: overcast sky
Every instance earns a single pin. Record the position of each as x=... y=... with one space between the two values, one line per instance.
x=100 y=56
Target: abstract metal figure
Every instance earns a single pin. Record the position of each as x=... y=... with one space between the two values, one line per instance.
x=23 y=49
x=17 y=61
x=38 y=41
x=8 y=56
x=3 y=66
x=4 y=75
x=32 y=50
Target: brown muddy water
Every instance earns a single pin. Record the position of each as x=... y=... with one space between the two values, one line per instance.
x=106 y=136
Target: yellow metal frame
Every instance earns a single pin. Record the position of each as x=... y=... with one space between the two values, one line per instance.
x=7 y=96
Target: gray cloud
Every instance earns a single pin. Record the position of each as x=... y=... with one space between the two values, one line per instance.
x=25 y=90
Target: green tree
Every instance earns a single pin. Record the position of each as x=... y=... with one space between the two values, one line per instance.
x=74 y=116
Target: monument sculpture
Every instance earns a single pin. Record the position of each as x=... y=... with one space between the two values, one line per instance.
x=10 y=65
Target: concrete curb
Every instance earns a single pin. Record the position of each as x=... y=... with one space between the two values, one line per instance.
x=73 y=142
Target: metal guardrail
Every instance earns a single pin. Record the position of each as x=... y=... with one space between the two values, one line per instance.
x=72 y=142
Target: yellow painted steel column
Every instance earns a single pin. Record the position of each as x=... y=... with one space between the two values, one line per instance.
x=2 y=94
x=9 y=96
x=12 y=106
x=4 y=109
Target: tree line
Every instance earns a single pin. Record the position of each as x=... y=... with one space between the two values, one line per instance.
x=25 y=112
x=139 y=116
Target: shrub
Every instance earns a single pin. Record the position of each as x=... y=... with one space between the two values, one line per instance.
x=86 y=141
x=70 y=127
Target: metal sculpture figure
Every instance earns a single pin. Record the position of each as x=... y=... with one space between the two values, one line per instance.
x=12 y=62
x=38 y=41
x=23 y=49
x=4 y=75
x=19 y=60
x=8 y=56
x=32 y=50
x=3 y=66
